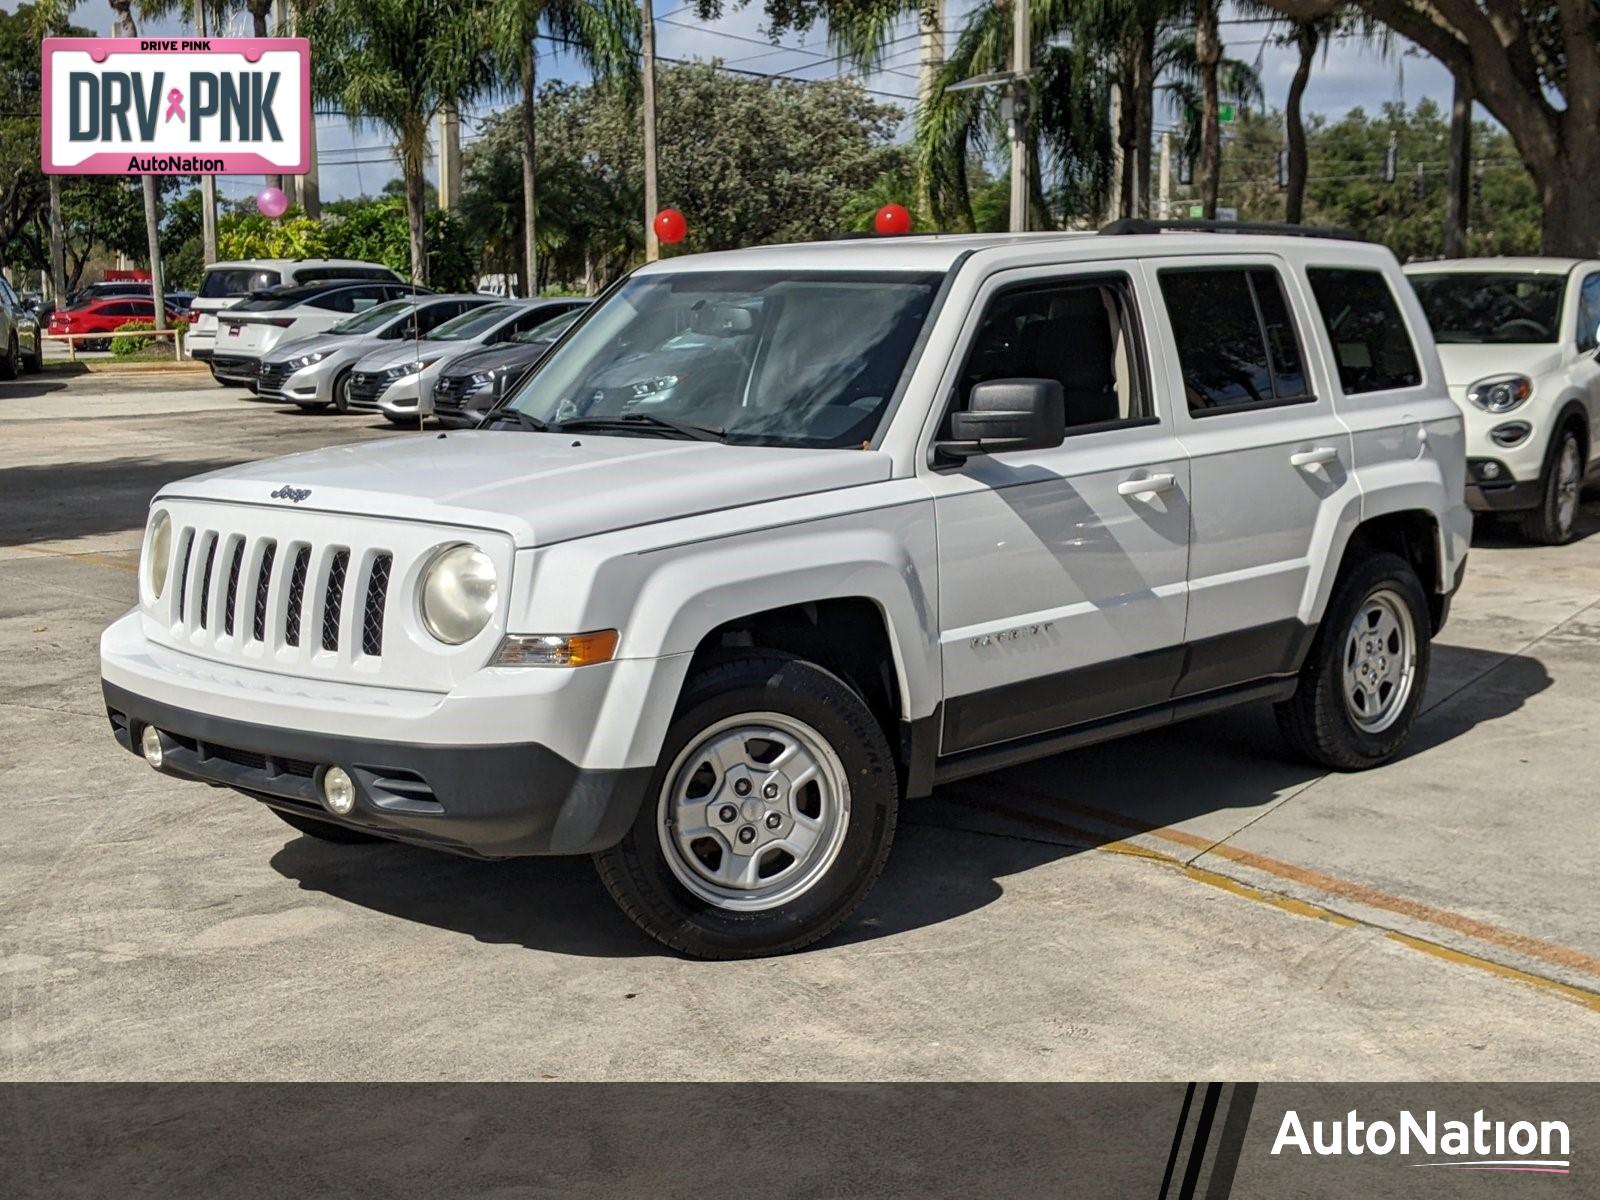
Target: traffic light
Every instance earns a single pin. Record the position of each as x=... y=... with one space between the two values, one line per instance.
x=1419 y=185
x=1185 y=170
x=1391 y=160
x=1477 y=184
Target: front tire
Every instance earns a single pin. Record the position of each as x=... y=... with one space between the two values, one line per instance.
x=1362 y=682
x=1555 y=521
x=11 y=364
x=34 y=363
x=769 y=816
x=341 y=391
x=324 y=831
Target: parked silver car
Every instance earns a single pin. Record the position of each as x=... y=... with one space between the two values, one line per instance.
x=398 y=380
x=314 y=371
x=21 y=342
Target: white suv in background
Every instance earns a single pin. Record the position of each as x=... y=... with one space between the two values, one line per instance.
x=1520 y=342
x=226 y=283
x=775 y=540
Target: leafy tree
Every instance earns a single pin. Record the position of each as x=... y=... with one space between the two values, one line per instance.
x=604 y=34
x=399 y=63
x=1535 y=65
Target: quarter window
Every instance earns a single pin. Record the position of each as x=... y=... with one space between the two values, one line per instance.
x=1237 y=344
x=1370 y=342
x=1080 y=332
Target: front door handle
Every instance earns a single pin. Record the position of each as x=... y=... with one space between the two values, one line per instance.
x=1314 y=458
x=1150 y=485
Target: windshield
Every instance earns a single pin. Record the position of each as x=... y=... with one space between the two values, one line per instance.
x=549 y=331
x=472 y=323
x=373 y=318
x=237 y=281
x=1495 y=306
x=758 y=357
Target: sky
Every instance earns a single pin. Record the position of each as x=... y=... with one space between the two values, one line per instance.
x=356 y=161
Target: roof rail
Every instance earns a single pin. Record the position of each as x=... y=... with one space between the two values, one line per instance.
x=1134 y=225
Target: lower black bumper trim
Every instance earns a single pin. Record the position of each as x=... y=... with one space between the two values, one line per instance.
x=1504 y=497
x=493 y=801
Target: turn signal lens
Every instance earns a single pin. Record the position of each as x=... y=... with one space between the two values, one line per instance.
x=556 y=650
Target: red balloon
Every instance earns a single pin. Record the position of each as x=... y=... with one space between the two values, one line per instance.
x=892 y=218
x=671 y=228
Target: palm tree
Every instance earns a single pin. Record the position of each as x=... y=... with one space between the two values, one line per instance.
x=399 y=63
x=1070 y=131
x=1179 y=65
x=605 y=36
x=1208 y=56
x=125 y=27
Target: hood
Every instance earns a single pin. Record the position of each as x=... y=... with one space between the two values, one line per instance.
x=512 y=354
x=394 y=354
x=1467 y=362
x=319 y=341
x=540 y=488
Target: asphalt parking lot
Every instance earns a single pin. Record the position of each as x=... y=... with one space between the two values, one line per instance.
x=1193 y=903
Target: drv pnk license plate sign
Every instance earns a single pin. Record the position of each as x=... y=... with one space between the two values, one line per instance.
x=176 y=106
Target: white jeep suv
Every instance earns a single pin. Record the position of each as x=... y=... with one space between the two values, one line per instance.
x=777 y=539
x=1519 y=339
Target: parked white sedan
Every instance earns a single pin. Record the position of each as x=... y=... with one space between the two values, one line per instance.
x=398 y=380
x=247 y=332
x=1519 y=339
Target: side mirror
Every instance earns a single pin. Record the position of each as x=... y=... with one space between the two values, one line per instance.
x=1007 y=414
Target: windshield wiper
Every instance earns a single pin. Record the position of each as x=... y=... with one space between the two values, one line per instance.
x=643 y=423
x=519 y=417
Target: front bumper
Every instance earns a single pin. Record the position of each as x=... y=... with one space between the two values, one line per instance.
x=237 y=368
x=1500 y=491
x=486 y=801
x=307 y=385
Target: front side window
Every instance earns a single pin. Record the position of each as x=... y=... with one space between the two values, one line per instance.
x=1370 y=342
x=473 y=323
x=1079 y=332
x=1237 y=344
x=1500 y=307
x=755 y=357
x=374 y=318
x=1589 y=314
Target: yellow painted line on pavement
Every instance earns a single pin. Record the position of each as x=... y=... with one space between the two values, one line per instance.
x=1289 y=904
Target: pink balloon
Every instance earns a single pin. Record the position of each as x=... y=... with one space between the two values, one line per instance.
x=271 y=202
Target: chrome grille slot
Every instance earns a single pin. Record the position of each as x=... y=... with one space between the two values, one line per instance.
x=333 y=599
x=258 y=627
x=297 y=595
x=377 y=598
x=205 y=579
x=235 y=562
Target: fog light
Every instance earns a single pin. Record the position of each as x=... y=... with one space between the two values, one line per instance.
x=1490 y=470
x=338 y=792
x=150 y=746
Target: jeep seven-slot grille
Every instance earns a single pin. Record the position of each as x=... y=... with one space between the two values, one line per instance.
x=313 y=586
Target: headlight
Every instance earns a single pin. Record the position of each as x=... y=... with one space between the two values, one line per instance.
x=306 y=360
x=661 y=385
x=458 y=593
x=158 y=553
x=556 y=650
x=1500 y=393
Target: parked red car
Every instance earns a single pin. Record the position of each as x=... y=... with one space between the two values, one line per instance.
x=103 y=316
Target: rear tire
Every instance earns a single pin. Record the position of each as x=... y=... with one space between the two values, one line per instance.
x=1555 y=521
x=777 y=754
x=1361 y=685
x=324 y=831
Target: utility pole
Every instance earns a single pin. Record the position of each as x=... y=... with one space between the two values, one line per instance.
x=449 y=159
x=1021 y=69
x=208 y=183
x=58 y=248
x=1458 y=201
x=652 y=244
x=1164 y=195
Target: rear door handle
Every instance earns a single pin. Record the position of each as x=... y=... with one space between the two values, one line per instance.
x=1150 y=485
x=1315 y=457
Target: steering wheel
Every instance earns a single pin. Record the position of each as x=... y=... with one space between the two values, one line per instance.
x=1524 y=325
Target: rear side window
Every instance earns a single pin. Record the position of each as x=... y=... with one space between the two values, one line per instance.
x=1370 y=343
x=1237 y=344
x=1589 y=314
x=230 y=281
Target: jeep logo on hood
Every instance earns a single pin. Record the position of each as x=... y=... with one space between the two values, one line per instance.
x=292 y=494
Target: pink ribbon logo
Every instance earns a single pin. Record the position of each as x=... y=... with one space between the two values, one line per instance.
x=175 y=105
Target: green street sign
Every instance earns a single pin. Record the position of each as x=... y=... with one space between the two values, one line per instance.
x=1196 y=211
x=1226 y=114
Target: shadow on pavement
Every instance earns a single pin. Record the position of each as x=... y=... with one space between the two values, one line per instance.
x=1032 y=815
x=69 y=500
